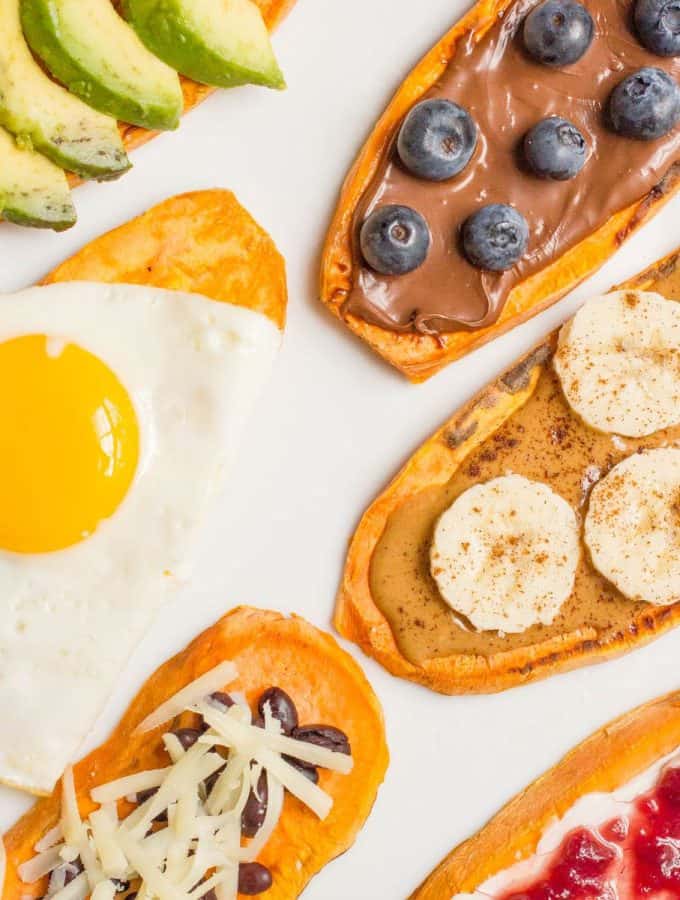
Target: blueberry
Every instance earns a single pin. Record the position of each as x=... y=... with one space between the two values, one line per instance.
x=645 y=105
x=495 y=237
x=394 y=240
x=554 y=148
x=437 y=139
x=658 y=25
x=558 y=32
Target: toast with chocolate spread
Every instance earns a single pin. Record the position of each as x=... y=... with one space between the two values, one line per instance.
x=500 y=176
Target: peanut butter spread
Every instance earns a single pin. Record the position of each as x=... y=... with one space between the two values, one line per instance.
x=542 y=440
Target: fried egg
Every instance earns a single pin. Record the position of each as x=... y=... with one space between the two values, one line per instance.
x=121 y=406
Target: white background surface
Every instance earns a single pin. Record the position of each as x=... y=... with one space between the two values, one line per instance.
x=334 y=425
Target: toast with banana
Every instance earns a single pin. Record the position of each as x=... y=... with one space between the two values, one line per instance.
x=536 y=530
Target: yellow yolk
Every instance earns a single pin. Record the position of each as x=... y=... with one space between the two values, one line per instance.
x=69 y=444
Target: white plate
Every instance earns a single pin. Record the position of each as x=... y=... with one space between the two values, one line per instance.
x=334 y=425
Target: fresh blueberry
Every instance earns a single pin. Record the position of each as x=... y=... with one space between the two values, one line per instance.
x=558 y=32
x=495 y=237
x=554 y=148
x=645 y=105
x=394 y=239
x=437 y=139
x=658 y=25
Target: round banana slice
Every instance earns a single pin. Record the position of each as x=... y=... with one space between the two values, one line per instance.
x=632 y=527
x=619 y=363
x=504 y=554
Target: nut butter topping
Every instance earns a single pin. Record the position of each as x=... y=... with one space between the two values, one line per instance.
x=507 y=93
x=544 y=441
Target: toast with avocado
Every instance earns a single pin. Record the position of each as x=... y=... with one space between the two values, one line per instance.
x=33 y=191
x=223 y=44
x=45 y=115
x=103 y=72
x=91 y=50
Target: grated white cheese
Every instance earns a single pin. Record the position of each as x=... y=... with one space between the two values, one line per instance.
x=193 y=693
x=201 y=846
x=128 y=785
x=238 y=733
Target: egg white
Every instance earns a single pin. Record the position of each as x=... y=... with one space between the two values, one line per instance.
x=69 y=619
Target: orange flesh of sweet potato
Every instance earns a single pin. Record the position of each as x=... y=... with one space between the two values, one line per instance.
x=268 y=649
x=420 y=356
x=203 y=242
x=358 y=617
x=603 y=762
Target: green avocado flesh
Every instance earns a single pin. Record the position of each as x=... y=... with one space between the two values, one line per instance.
x=42 y=114
x=219 y=42
x=90 y=49
x=33 y=191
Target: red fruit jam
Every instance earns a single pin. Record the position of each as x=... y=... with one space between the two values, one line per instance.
x=633 y=856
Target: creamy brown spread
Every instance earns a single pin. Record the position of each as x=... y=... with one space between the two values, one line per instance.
x=542 y=440
x=506 y=93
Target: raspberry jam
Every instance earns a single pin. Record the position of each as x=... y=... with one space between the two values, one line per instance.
x=635 y=855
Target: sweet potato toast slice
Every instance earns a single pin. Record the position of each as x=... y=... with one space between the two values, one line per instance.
x=603 y=762
x=273 y=12
x=480 y=430
x=202 y=242
x=420 y=356
x=268 y=649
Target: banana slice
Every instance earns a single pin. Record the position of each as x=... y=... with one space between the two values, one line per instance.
x=504 y=554
x=619 y=363
x=632 y=527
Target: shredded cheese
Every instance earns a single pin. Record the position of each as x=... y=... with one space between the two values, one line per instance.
x=78 y=889
x=235 y=732
x=53 y=836
x=128 y=785
x=200 y=847
x=193 y=693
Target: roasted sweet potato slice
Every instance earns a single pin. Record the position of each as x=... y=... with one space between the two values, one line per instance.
x=268 y=649
x=603 y=762
x=203 y=242
x=419 y=356
x=516 y=423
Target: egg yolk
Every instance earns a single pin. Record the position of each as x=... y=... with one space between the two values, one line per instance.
x=69 y=444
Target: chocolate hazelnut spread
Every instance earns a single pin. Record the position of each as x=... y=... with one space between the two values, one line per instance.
x=506 y=92
x=542 y=440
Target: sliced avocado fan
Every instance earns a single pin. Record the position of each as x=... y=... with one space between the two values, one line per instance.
x=43 y=114
x=90 y=49
x=33 y=191
x=219 y=42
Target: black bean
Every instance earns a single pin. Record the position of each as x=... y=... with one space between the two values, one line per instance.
x=222 y=698
x=253 y=878
x=324 y=736
x=281 y=706
x=186 y=736
x=255 y=809
x=143 y=796
x=209 y=782
x=72 y=870
x=307 y=769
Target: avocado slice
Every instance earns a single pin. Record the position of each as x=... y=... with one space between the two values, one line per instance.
x=33 y=191
x=42 y=114
x=218 y=42
x=91 y=50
